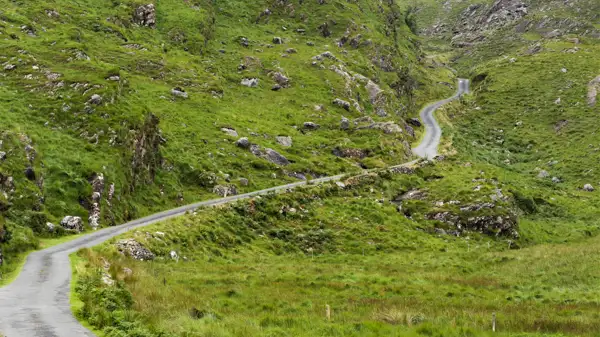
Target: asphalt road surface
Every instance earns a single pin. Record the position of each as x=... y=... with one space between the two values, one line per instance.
x=37 y=303
x=433 y=132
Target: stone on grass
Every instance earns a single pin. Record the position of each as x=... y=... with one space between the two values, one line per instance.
x=73 y=223
x=134 y=249
x=284 y=140
x=588 y=188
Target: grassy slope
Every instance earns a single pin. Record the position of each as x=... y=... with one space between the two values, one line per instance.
x=383 y=274
x=52 y=113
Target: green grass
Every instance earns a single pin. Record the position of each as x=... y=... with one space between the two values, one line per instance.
x=53 y=116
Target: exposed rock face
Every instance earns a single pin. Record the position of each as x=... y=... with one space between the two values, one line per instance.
x=496 y=225
x=73 y=223
x=282 y=80
x=478 y=18
x=250 y=82
x=95 y=99
x=179 y=92
x=243 y=142
x=414 y=122
x=593 y=89
x=275 y=157
x=134 y=249
x=145 y=16
x=284 y=140
x=386 y=127
x=342 y=103
x=412 y=195
x=225 y=191
x=374 y=91
x=97 y=188
x=230 y=132
x=350 y=153
x=345 y=123
x=311 y=126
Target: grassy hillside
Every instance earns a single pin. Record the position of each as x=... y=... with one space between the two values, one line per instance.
x=503 y=226
x=92 y=126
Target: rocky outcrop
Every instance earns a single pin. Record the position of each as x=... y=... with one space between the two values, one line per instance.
x=341 y=103
x=134 y=249
x=72 y=223
x=94 y=212
x=386 y=127
x=284 y=141
x=282 y=80
x=225 y=191
x=250 y=82
x=593 y=89
x=230 y=132
x=350 y=153
x=275 y=157
x=310 y=126
x=345 y=123
x=145 y=16
x=495 y=225
x=243 y=142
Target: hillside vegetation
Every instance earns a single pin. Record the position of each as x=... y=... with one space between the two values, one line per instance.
x=112 y=110
x=501 y=227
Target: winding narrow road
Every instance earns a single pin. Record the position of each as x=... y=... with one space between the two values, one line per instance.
x=433 y=132
x=37 y=303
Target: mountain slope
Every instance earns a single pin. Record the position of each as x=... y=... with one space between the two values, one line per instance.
x=115 y=109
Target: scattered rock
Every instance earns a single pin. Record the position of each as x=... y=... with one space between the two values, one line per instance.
x=345 y=123
x=281 y=79
x=297 y=175
x=277 y=40
x=244 y=182
x=275 y=157
x=73 y=223
x=311 y=126
x=250 y=82
x=114 y=78
x=410 y=131
x=588 y=188
x=134 y=249
x=386 y=127
x=543 y=174
x=291 y=51
x=2 y=155
x=556 y=180
x=284 y=140
x=276 y=87
x=179 y=92
x=374 y=91
x=230 y=132
x=30 y=173
x=558 y=100
x=225 y=191
x=477 y=207
x=10 y=67
x=174 y=255
x=342 y=103
x=412 y=195
x=95 y=99
x=350 y=153
x=243 y=142
x=145 y=16
x=50 y=227
x=414 y=122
